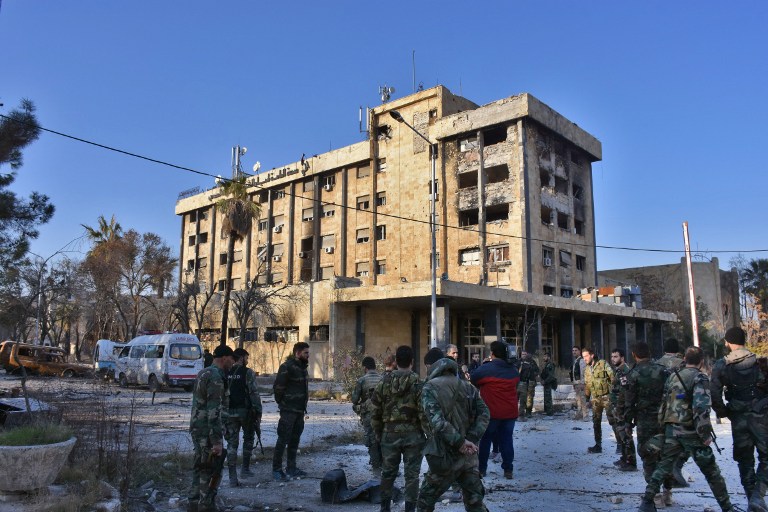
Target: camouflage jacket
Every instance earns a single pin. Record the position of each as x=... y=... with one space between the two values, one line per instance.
x=244 y=394
x=687 y=403
x=597 y=379
x=210 y=401
x=671 y=361
x=739 y=377
x=454 y=410
x=548 y=375
x=644 y=391
x=361 y=396
x=395 y=403
x=618 y=385
x=291 y=386
x=528 y=370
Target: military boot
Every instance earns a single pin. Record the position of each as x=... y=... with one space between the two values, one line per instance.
x=192 y=505
x=246 y=471
x=756 y=500
x=595 y=449
x=233 y=481
x=386 y=506
x=409 y=506
x=677 y=473
x=647 y=506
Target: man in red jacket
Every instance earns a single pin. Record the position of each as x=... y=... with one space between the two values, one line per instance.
x=497 y=381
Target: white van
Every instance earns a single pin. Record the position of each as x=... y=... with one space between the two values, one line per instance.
x=104 y=357
x=159 y=360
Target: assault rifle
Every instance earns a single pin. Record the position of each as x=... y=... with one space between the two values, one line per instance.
x=714 y=441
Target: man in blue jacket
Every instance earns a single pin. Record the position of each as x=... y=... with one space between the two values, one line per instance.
x=497 y=381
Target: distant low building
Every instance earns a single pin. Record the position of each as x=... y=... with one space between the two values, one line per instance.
x=665 y=287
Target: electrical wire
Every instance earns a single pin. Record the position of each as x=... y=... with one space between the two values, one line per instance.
x=378 y=213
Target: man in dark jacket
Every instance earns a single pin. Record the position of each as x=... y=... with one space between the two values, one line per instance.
x=456 y=419
x=739 y=377
x=291 y=395
x=497 y=381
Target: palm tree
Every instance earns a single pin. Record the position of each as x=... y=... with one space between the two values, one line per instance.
x=104 y=234
x=238 y=212
x=755 y=281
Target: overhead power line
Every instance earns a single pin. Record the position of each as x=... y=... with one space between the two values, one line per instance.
x=378 y=213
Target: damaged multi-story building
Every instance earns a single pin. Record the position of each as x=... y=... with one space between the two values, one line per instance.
x=515 y=236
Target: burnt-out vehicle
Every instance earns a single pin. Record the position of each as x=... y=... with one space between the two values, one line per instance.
x=40 y=360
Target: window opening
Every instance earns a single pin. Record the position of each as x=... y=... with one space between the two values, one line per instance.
x=565 y=259
x=309 y=186
x=362 y=268
x=469 y=257
x=381 y=198
x=562 y=220
x=381 y=232
x=497 y=173
x=497 y=213
x=578 y=226
x=364 y=202
x=364 y=172
x=547 y=253
x=561 y=185
x=546 y=215
x=468 y=218
x=494 y=135
x=307 y=214
x=363 y=235
x=468 y=179
x=581 y=262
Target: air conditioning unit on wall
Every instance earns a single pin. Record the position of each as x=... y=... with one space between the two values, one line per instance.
x=278 y=229
x=329 y=250
x=276 y=258
x=302 y=254
x=328 y=187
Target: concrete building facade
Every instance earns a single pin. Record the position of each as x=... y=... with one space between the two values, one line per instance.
x=351 y=229
x=716 y=289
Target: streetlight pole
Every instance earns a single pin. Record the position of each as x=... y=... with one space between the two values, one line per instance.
x=432 y=226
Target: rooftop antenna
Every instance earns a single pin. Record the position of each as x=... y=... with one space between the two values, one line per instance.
x=413 y=62
x=360 y=119
x=385 y=92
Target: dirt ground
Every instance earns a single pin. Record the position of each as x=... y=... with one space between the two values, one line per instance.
x=552 y=468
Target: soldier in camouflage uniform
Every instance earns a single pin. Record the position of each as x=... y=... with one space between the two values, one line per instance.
x=209 y=404
x=744 y=384
x=549 y=382
x=397 y=421
x=291 y=390
x=361 y=404
x=598 y=376
x=528 y=370
x=685 y=413
x=615 y=412
x=244 y=413
x=672 y=360
x=643 y=397
x=457 y=418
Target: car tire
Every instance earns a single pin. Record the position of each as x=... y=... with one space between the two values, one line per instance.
x=154 y=385
x=122 y=380
x=68 y=373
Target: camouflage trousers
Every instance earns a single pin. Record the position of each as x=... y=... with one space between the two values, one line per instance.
x=750 y=433
x=549 y=408
x=239 y=419
x=647 y=427
x=624 y=440
x=522 y=400
x=530 y=396
x=202 y=472
x=374 y=447
x=581 y=399
x=702 y=455
x=395 y=445
x=599 y=404
x=289 y=429
x=446 y=469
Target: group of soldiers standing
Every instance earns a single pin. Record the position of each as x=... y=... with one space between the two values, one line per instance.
x=669 y=401
x=225 y=401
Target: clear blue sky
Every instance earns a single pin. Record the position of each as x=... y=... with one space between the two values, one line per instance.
x=675 y=91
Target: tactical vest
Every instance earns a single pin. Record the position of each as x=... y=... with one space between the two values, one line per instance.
x=650 y=391
x=600 y=381
x=742 y=383
x=679 y=397
x=526 y=370
x=370 y=381
x=238 y=390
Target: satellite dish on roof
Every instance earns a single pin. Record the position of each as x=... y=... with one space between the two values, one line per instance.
x=256 y=166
